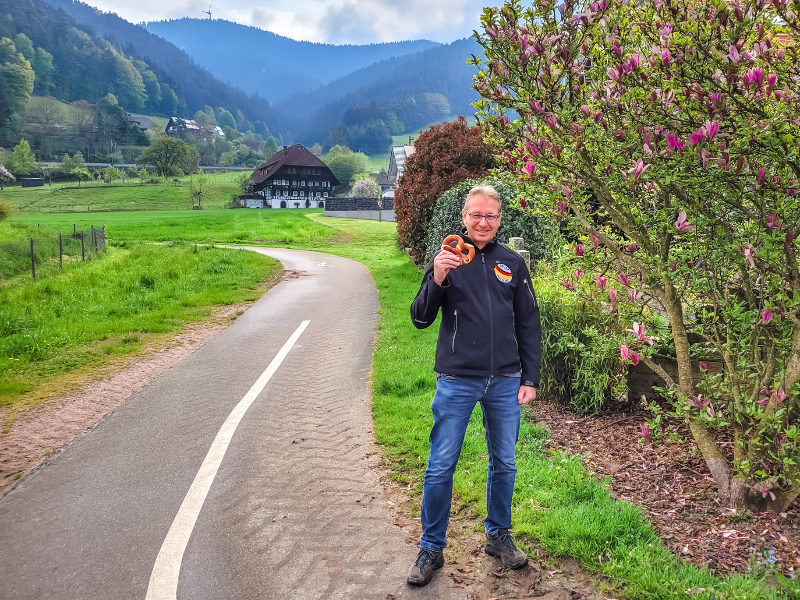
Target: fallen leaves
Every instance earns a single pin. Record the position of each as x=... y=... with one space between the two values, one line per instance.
x=671 y=482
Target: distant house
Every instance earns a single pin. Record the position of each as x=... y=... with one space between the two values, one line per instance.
x=397 y=161
x=383 y=180
x=183 y=128
x=292 y=178
x=144 y=123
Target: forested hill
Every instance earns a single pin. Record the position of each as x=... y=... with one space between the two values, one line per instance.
x=272 y=65
x=368 y=106
x=195 y=86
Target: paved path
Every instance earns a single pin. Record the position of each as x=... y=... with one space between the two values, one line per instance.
x=296 y=509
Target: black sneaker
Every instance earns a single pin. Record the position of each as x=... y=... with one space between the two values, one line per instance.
x=427 y=562
x=503 y=546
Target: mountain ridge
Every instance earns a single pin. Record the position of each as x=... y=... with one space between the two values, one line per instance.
x=282 y=66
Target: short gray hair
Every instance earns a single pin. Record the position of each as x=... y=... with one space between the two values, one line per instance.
x=483 y=189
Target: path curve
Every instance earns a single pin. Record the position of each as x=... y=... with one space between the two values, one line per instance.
x=296 y=509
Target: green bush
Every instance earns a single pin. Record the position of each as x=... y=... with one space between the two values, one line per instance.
x=581 y=364
x=540 y=233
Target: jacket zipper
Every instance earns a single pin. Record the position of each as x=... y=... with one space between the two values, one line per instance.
x=530 y=291
x=455 y=330
x=491 y=318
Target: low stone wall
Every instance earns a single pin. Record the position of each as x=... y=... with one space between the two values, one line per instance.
x=359 y=208
x=374 y=215
x=339 y=204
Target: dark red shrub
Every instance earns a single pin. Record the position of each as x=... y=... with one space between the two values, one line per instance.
x=444 y=156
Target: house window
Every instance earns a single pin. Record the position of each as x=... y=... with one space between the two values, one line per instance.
x=294 y=193
x=324 y=194
x=303 y=183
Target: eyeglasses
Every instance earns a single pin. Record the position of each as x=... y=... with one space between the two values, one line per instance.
x=476 y=217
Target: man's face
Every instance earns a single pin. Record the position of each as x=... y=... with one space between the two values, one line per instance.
x=481 y=232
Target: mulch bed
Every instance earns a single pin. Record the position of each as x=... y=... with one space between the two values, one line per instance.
x=671 y=482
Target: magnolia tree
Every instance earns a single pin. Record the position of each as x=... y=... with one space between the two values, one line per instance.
x=666 y=133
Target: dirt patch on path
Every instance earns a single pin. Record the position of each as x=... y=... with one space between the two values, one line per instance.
x=483 y=577
x=42 y=431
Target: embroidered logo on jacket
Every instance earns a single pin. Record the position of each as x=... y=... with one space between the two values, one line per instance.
x=503 y=273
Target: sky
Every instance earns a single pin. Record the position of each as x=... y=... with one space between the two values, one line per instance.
x=330 y=21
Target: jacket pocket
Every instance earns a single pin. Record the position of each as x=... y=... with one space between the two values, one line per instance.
x=455 y=331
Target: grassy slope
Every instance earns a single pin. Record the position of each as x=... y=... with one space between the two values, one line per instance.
x=129 y=196
x=91 y=313
x=556 y=501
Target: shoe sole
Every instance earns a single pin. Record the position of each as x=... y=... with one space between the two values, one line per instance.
x=497 y=554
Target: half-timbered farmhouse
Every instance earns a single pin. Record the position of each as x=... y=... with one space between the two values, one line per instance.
x=293 y=178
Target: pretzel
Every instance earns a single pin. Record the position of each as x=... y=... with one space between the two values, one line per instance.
x=455 y=244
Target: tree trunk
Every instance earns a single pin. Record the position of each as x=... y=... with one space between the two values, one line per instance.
x=731 y=489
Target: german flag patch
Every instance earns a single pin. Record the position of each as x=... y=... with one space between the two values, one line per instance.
x=503 y=273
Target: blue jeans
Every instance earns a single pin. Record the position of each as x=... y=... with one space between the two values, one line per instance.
x=452 y=406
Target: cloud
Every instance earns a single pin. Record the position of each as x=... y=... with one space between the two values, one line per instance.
x=330 y=21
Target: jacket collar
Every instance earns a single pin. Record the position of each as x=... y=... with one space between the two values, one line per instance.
x=489 y=246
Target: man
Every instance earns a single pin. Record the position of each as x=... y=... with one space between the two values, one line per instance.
x=488 y=352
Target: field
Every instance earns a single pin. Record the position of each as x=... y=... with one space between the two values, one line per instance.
x=241 y=226
x=128 y=196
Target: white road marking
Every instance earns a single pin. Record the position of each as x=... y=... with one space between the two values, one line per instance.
x=164 y=578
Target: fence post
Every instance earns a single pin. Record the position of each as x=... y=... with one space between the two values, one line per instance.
x=83 y=253
x=60 y=252
x=33 y=262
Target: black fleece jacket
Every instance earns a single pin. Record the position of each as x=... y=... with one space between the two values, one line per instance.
x=490 y=317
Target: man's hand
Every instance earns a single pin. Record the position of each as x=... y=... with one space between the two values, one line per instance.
x=443 y=263
x=526 y=394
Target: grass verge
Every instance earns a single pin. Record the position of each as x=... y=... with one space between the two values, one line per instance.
x=91 y=313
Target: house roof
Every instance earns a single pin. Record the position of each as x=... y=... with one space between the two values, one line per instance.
x=382 y=177
x=293 y=156
x=142 y=122
x=193 y=126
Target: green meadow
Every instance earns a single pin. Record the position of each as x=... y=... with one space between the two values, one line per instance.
x=130 y=195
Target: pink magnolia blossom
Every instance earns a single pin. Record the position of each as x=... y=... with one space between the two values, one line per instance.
x=673 y=266
x=774 y=222
x=682 y=224
x=698 y=402
x=644 y=431
x=578 y=273
x=523 y=203
x=704 y=367
x=772 y=80
x=585 y=110
x=610 y=307
x=710 y=129
x=569 y=286
x=640 y=334
x=696 y=137
x=761 y=176
x=750 y=253
x=623 y=279
x=601 y=282
x=634 y=295
x=638 y=169
x=595 y=240
x=767 y=315
x=530 y=168
x=674 y=142
x=579 y=250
